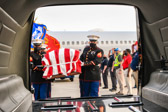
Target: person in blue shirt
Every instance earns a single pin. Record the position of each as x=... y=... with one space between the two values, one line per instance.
x=112 y=74
x=133 y=69
x=135 y=61
x=104 y=71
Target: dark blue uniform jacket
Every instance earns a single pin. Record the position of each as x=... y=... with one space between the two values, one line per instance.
x=91 y=58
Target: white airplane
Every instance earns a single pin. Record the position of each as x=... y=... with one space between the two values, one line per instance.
x=78 y=40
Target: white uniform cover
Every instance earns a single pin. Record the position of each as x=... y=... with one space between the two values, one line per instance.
x=62 y=61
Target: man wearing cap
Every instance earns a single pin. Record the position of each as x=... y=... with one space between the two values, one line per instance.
x=126 y=64
x=134 y=47
x=43 y=52
x=135 y=62
x=112 y=74
x=91 y=57
x=117 y=69
x=39 y=84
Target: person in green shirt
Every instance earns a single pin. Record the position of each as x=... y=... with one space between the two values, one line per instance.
x=117 y=69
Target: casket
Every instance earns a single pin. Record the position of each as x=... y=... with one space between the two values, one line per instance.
x=61 y=62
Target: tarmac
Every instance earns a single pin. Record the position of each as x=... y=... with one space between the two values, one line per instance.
x=66 y=88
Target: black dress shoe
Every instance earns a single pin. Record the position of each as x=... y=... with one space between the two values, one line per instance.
x=112 y=90
x=105 y=87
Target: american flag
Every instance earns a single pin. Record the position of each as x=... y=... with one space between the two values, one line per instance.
x=62 y=61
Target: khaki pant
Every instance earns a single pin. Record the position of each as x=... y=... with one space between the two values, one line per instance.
x=128 y=81
x=120 y=78
x=135 y=75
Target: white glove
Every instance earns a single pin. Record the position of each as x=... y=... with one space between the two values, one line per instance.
x=82 y=63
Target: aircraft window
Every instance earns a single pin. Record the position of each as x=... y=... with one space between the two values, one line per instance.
x=86 y=42
x=97 y=42
x=77 y=42
x=116 y=42
x=102 y=42
x=129 y=42
x=134 y=41
x=106 y=42
x=68 y=43
x=82 y=42
x=63 y=43
x=121 y=42
x=125 y=42
x=111 y=42
x=73 y=42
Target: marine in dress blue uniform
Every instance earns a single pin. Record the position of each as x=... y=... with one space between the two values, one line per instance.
x=89 y=78
x=43 y=52
x=39 y=83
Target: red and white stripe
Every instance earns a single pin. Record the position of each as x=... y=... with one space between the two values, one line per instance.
x=62 y=61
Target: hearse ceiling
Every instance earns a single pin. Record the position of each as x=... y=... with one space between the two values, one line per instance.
x=20 y=10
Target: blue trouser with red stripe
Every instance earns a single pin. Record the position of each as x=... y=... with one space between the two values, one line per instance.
x=49 y=90
x=40 y=90
x=81 y=88
x=91 y=88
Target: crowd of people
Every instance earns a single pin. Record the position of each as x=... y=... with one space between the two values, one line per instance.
x=122 y=67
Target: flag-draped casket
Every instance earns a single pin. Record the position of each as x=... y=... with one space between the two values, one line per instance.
x=61 y=62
